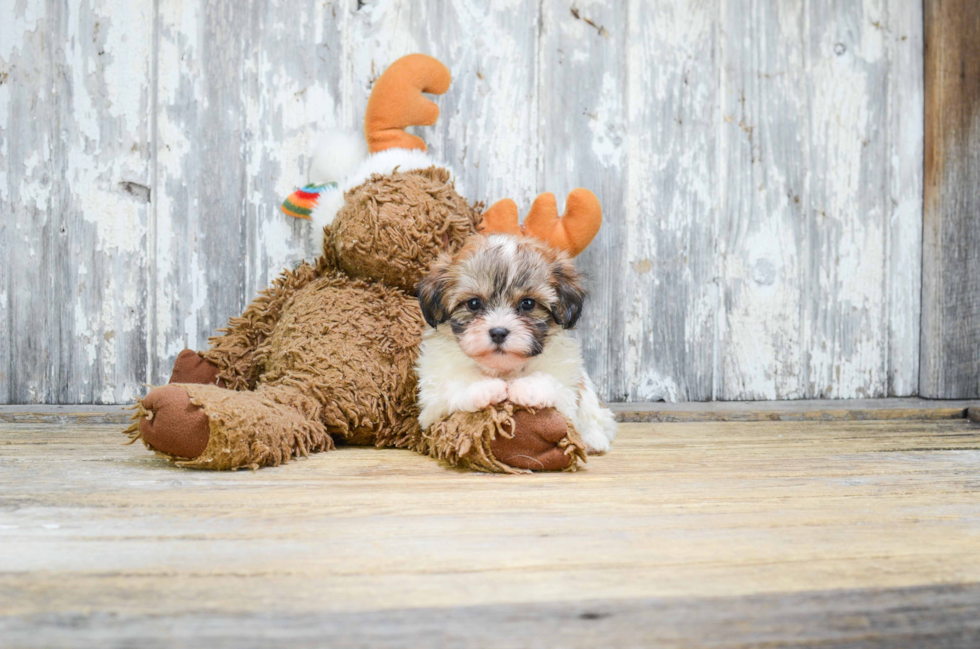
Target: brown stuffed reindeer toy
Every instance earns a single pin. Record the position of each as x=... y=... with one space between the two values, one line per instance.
x=326 y=353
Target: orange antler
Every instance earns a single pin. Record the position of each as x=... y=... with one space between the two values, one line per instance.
x=501 y=218
x=397 y=102
x=571 y=232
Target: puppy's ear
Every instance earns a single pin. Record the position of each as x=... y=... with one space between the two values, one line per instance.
x=570 y=294
x=432 y=291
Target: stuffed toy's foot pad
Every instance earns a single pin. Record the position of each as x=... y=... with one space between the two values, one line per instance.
x=534 y=445
x=173 y=425
x=191 y=367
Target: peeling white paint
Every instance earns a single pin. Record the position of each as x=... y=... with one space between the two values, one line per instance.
x=74 y=101
x=38 y=191
x=128 y=26
x=19 y=19
x=654 y=387
x=608 y=134
x=117 y=218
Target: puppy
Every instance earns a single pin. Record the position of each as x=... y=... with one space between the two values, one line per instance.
x=499 y=311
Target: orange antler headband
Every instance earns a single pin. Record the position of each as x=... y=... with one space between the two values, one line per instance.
x=571 y=232
x=396 y=102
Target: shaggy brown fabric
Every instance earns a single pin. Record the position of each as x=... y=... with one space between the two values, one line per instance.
x=232 y=351
x=350 y=346
x=266 y=427
x=392 y=227
x=190 y=367
x=467 y=439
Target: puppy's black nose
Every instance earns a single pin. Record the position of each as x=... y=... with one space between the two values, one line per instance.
x=498 y=335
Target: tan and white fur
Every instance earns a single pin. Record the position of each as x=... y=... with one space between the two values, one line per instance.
x=499 y=311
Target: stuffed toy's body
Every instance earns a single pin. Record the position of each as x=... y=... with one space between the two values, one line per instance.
x=326 y=354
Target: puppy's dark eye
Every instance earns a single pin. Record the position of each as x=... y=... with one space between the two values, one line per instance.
x=474 y=304
x=527 y=304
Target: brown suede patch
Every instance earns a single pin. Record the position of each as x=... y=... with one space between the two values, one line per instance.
x=173 y=425
x=534 y=442
x=190 y=367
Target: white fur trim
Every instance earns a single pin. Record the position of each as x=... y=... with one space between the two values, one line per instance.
x=345 y=147
x=385 y=162
x=335 y=155
x=327 y=207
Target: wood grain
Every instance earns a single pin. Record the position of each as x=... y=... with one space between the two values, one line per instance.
x=940 y=616
x=818 y=234
x=950 y=353
x=855 y=533
x=760 y=165
x=75 y=154
x=760 y=236
x=667 y=297
x=582 y=89
x=943 y=616
x=903 y=42
x=797 y=410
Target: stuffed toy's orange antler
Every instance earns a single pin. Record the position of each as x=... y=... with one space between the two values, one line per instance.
x=574 y=229
x=571 y=232
x=397 y=102
x=501 y=218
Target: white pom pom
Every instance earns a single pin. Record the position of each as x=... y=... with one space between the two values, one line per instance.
x=335 y=155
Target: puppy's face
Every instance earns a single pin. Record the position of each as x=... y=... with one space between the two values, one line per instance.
x=501 y=297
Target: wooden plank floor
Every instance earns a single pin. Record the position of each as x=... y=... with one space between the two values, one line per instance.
x=721 y=534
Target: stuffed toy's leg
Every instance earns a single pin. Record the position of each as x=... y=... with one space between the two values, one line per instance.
x=209 y=427
x=506 y=439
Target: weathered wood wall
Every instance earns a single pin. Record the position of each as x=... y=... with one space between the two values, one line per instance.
x=759 y=162
x=950 y=352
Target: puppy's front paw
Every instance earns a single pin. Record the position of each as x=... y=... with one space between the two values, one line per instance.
x=596 y=442
x=484 y=393
x=533 y=392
